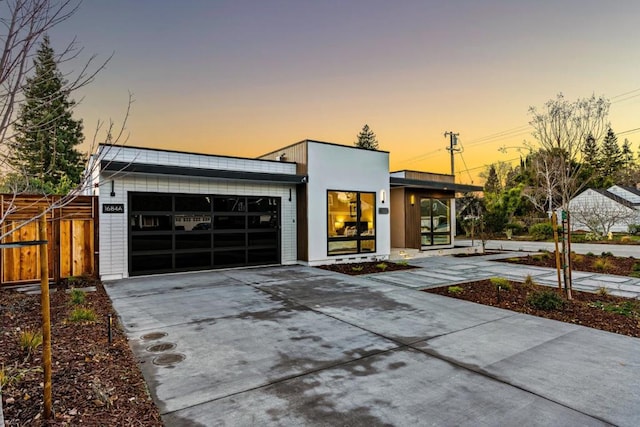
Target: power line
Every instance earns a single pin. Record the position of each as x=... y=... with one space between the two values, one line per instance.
x=520 y=130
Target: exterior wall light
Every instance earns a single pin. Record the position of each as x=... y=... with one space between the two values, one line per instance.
x=383 y=196
x=412 y=199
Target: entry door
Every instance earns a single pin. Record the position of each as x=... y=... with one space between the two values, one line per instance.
x=435 y=227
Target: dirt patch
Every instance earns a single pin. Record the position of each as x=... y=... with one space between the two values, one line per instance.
x=604 y=312
x=357 y=268
x=93 y=382
x=603 y=264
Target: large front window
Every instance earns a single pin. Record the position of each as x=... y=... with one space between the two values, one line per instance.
x=351 y=222
x=435 y=227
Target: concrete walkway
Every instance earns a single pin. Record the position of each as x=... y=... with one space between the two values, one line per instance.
x=580 y=248
x=297 y=346
x=441 y=271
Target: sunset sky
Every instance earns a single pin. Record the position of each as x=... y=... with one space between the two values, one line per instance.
x=243 y=78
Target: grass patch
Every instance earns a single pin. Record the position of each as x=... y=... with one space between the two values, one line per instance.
x=455 y=290
x=602 y=264
x=627 y=308
x=501 y=283
x=81 y=314
x=78 y=297
x=29 y=341
x=382 y=266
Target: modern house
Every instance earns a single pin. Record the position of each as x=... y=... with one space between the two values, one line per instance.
x=614 y=208
x=311 y=202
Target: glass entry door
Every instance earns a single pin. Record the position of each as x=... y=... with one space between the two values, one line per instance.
x=435 y=224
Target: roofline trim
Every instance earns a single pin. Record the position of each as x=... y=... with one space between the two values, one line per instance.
x=144 y=168
x=433 y=185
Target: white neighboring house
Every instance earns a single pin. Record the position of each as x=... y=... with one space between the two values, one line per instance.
x=604 y=211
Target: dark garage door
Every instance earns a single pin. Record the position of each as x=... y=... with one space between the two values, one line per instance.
x=181 y=232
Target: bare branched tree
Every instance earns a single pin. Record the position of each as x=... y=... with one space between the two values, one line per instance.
x=600 y=213
x=561 y=129
x=24 y=23
x=544 y=194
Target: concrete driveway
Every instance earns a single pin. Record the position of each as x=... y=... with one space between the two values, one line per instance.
x=293 y=346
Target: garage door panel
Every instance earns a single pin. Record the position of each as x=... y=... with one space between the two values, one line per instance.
x=198 y=232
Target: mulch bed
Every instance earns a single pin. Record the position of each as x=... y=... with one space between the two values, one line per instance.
x=94 y=383
x=358 y=268
x=587 y=309
x=612 y=265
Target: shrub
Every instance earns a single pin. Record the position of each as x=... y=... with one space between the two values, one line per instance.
x=357 y=268
x=634 y=229
x=602 y=264
x=602 y=291
x=541 y=231
x=627 y=308
x=514 y=227
x=625 y=239
x=607 y=254
x=592 y=237
x=81 y=314
x=577 y=257
x=501 y=283
x=589 y=254
x=636 y=266
x=29 y=341
x=545 y=300
x=77 y=296
x=382 y=266
x=455 y=290
x=403 y=263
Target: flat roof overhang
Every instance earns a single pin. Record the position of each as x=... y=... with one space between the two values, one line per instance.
x=143 y=168
x=433 y=185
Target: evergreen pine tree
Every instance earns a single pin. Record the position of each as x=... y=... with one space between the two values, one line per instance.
x=592 y=163
x=492 y=183
x=44 y=150
x=367 y=139
x=611 y=158
x=591 y=153
x=627 y=153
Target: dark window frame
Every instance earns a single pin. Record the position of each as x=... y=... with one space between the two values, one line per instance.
x=357 y=237
x=432 y=234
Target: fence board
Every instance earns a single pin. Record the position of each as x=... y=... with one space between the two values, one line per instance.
x=70 y=231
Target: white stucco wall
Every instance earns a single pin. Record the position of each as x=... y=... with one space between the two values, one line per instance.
x=335 y=167
x=113 y=235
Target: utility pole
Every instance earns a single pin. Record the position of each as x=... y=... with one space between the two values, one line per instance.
x=453 y=141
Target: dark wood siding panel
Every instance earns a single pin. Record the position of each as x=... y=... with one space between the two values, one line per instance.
x=412 y=220
x=302 y=223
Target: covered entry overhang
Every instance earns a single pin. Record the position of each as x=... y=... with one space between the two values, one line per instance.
x=423 y=209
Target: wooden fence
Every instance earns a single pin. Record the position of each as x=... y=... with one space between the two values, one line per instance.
x=71 y=235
